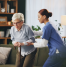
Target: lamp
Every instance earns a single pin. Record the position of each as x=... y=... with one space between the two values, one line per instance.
x=63 y=20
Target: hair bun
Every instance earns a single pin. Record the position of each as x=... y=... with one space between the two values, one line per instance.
x=50 y=14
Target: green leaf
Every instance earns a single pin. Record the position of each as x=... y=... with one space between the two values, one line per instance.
x=33 y=28
x=56 y=20
x=36 y=29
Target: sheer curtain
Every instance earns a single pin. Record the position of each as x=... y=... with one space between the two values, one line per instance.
x=57 y=7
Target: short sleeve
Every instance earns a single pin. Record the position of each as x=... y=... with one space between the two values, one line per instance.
x=46 y=33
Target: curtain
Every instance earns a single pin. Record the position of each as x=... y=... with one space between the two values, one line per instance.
x=57 y=7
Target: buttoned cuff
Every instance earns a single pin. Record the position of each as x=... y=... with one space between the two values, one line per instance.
x=13 y=42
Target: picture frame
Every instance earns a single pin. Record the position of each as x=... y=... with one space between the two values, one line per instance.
x=3 y=20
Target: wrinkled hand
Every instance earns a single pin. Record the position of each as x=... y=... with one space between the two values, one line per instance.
x=20 y=44
x=29 y=43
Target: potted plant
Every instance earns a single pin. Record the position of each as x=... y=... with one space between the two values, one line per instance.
x=60 y=29
x=36 y=29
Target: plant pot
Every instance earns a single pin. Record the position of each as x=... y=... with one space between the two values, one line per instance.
x=1 y=33
x=12 y=10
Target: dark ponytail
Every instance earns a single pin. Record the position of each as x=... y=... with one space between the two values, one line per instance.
x=49 y=14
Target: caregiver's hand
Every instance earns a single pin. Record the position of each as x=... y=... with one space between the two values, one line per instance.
x=30 y=43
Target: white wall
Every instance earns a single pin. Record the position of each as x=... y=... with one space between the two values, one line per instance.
x=57 y=7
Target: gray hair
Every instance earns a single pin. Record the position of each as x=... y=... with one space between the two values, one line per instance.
x=19 y=16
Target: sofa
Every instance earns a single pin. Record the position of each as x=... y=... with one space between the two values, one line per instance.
x=40 y=58
x=12 y=56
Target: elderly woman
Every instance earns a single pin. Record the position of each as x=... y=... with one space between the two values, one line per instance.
x=20 y=35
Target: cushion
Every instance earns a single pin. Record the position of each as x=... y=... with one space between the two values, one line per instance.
x=4 y=53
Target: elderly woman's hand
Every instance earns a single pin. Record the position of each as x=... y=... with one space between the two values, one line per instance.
x=16 y=44
x=29 y=43
x=20 y=44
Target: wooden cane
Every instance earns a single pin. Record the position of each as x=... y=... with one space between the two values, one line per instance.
x=20 y=55
x=14 y=47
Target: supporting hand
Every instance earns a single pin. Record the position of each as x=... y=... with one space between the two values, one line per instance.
x=30 y=43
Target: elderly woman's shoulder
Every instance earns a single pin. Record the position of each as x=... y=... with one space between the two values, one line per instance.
x=12 y=27
x=27 y=26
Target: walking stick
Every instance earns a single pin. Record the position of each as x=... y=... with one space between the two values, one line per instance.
x=20 y=55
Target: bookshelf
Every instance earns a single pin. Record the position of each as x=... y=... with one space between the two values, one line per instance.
x=5 y=39
x=6 y=7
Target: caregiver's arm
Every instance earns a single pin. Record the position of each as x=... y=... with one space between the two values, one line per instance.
x=38 y=33
x=43 y=43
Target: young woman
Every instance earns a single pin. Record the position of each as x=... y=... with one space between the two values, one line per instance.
x=50 y=37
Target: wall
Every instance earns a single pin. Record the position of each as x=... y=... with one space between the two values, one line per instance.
x=21 y=6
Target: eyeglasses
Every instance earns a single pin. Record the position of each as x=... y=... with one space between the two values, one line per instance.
x=16 y=23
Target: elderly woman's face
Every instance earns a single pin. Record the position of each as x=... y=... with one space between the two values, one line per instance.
x=18 y=24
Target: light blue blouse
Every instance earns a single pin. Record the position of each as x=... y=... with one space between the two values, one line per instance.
x=23 y=35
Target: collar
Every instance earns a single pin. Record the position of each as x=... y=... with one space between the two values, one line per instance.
x=20 y=29
x=47 y=23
